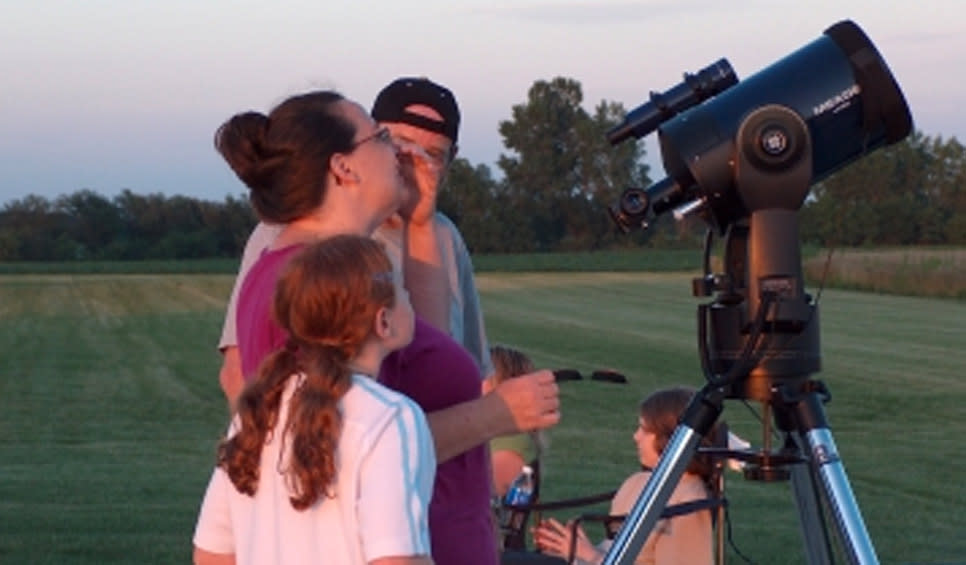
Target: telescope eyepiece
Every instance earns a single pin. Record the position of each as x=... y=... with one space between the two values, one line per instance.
x=638 y=206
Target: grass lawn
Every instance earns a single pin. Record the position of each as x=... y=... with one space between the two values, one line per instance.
x=110 y=407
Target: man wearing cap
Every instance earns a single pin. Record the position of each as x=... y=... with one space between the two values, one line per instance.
x=419 y=111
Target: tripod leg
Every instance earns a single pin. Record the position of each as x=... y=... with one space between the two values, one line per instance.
x=828 y=468
x=719 y=530
x=697 y=420
x=818 y=550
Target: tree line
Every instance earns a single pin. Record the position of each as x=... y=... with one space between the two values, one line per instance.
x=559 y=176
x=88 y=226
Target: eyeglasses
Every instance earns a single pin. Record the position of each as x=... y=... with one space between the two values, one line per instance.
x=381 y=135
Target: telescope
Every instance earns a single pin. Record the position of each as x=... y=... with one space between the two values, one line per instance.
x=839 y=86
x=742 y=156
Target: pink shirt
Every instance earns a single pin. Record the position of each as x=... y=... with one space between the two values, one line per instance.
x=258 y=333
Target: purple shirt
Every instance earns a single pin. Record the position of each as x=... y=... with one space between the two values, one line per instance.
x=436 y=372
x=258 y=333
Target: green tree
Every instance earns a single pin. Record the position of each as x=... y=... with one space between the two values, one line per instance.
x=32 y=229
x=881 y=199
x=94 y=223
x=469 y=198
x=86 y=225
x=561 y=173
x=944 y=221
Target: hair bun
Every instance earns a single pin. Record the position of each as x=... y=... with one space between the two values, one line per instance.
x=242 y=142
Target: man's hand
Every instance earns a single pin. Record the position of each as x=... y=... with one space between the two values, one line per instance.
x=423 y=175
x=526 y=403
x=532 y=399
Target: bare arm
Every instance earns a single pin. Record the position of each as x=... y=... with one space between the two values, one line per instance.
x=202 y=557
x=426 y=278
x=425 y=274
x=230 y=375
x=526 y=403
x=506 y=466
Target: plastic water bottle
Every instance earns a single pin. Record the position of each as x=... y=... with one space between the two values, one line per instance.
x=519 y=494
x=521 y=489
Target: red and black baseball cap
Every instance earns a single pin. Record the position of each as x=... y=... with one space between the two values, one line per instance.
x=391 y=104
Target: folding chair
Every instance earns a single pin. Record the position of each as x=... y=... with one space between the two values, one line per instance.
x=612 y=523
x=716 y=503
x=514 y=536
x=515 y=551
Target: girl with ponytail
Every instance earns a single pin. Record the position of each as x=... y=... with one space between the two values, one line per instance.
x=321 y=462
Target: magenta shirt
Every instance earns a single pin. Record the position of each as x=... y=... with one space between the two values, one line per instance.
x=436 y=372
x=258 y=333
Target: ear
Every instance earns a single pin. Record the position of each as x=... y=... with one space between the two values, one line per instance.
x=343 y=169
x=381 y=326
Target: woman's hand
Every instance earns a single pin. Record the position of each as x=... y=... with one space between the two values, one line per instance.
x=553 y=538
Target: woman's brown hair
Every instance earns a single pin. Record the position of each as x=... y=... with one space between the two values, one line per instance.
x=283 y=158
x=326 y=300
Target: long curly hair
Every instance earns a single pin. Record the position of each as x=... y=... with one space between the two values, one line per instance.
x=326 y=299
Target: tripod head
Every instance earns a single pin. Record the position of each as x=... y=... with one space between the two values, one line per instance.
x=763 y=326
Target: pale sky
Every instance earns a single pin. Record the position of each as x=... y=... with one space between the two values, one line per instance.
x=114 y=94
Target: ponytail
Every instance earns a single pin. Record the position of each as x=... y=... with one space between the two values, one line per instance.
x=240 y=454
x=326 y=300
x=315 y=424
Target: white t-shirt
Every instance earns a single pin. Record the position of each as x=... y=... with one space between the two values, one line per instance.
x=386 y=466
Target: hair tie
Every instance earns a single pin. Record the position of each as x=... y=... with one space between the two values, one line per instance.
x=385 y=276
x=335 y=343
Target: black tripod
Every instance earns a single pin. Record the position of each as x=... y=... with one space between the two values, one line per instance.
x=763 y=345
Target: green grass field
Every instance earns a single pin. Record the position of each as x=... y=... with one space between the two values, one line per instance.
x=110 y=407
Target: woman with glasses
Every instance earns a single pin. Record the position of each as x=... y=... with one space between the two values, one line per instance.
x=319 y=166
